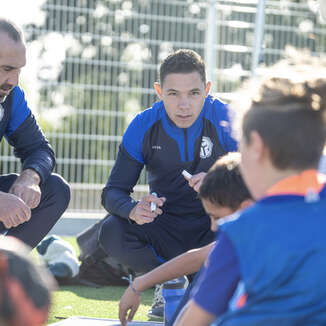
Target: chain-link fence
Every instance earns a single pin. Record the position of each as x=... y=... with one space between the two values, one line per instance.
x=96 y=61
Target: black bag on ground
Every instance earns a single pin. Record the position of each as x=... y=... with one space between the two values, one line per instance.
x=97 y=268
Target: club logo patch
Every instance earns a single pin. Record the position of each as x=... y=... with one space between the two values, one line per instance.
x=206 y=147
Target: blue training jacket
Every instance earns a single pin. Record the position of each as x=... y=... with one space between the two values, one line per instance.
x=154 y=141
x=19 y=127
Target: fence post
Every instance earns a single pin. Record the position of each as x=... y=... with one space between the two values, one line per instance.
x=259 y=36
x=210 y=46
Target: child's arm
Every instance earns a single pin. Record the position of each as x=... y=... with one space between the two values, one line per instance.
x=184 y=264
x=187 y=263
x=194 y=315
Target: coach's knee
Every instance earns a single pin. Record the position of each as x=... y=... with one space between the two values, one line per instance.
x=111 y=236
x=60 y=189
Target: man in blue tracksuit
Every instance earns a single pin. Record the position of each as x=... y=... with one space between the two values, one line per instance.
x=31 y=202
x=186 y=130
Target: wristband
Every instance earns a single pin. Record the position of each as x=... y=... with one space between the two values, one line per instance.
x=132 y=287
x=135 y=290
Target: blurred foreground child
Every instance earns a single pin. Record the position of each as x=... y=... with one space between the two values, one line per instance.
x=276 y=266
x=24 y=287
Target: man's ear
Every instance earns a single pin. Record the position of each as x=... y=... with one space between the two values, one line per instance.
x=208 y=87
x=158 y=89
x=246 y=203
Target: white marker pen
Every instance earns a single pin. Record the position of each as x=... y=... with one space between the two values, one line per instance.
x=153 y=204
x=186 y=174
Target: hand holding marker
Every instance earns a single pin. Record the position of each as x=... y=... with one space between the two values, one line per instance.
x=153 y=204
x=186 y=174
x=194 y=180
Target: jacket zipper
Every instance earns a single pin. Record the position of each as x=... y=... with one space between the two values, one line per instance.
x=186 y=144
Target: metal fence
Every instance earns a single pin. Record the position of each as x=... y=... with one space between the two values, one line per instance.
x=96 y=62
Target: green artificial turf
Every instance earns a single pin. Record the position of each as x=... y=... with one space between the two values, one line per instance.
x=93 y=302
x=75 y=300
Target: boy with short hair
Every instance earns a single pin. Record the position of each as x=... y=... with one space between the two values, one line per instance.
x=222 y=192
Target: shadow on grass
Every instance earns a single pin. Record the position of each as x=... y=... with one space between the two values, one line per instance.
x=104 y=293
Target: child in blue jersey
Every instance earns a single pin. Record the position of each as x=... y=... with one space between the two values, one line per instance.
x=268 y=266
x=222 y=192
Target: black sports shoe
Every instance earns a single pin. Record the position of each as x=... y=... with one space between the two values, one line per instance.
x=157 y=309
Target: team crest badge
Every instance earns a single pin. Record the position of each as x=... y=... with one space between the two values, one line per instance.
x=2 y=112
x=206 y=147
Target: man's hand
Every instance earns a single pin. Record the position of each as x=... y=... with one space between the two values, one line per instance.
x=196 y=180
x=27 y=188
x=142 y=213
x=13 y=210
x=129 y=302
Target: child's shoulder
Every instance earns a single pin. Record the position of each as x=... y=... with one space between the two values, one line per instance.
x=240 y=226
x=241 y=217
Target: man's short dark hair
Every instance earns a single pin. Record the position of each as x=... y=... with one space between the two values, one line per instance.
x=182 y=61
x=223 y=185
x=13 y=31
